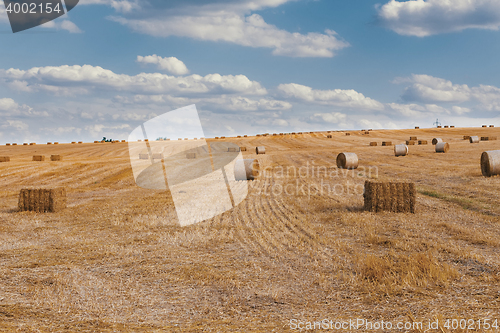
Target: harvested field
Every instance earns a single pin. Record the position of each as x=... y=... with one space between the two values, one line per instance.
x=116 y=261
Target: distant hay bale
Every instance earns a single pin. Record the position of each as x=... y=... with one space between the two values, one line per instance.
x=73 y=142
x=146 y=140
x=484 y=138
x=492 y=125
x=452 y=126
x=123 y=141
x=347 y=161
x=191 y=156
x=485 y=126
x=422 y=142
x=42 y=200
x=348 y=134
x=293 y=133
x=260 y=150
x=274 y=134
x=158 y=156
x=446 y=126
x=440 y=127
x=222 y=137
x=488 y=138
x=56 y=143
x=181 y=139
x=416 y=127
x=366 y=132
x=473 y=139
x=258 y=135
x=4 y=159
x=233 y=150
x=97 y=141
x=245 y=136
x=411 y=142
x=32 y=143
x=14 y=144
x=239 y=136
x=38 y=158
x=373 y=143
x=442 y=147
x=329 y=136
x=144 y=156
x=397 y=197
x=7 y=144
x=401 y=150
x=466 y=137
x=216 y=138
x=25 y=144
x=247 y=169
x=55 y=157
x=490 y=163
x=413 y=138
x=435 y=141
x=186 y=139
x=386 y=143
x=243 y=148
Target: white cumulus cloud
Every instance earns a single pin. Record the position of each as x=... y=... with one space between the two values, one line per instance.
x=429 y=17
x=170 y=64
x=337 y=97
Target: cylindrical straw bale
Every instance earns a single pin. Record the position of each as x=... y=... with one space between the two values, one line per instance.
x=347 y=161
x=260 y=150
x=401 y=150
x=247 y=169
x=435 y=141
x=474 y=139
x=442 y=147
x=490 y=163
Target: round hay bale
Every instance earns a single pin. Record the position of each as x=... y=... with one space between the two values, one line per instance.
x=442 y=147
x=401 y=150
x=347 y=161
x=260 y=150
x=474 y=139
x=435 y=141
x=247 y=169
x=490 y=163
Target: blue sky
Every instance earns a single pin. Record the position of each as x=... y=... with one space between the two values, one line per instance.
x=251 y=66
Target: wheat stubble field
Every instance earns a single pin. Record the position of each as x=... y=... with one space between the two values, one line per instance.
x=115 y=260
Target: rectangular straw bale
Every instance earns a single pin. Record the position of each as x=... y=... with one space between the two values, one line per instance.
x=42 y=200
x=38 y=158
x=414 y=138
x=386 y=143
x=73 y=142
x=14 y=144
x=373 y=143
x=422 y=142
x=32 y=143
x=329 y=136
x=7 y=144
x=411 y=143
x=491 y=138
x=466 y=137
x=348 y=134
x=398 y=197
x=484 y=138
x=243 y=148
x=80 y=142
x=4 y=158
x=55 y=158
